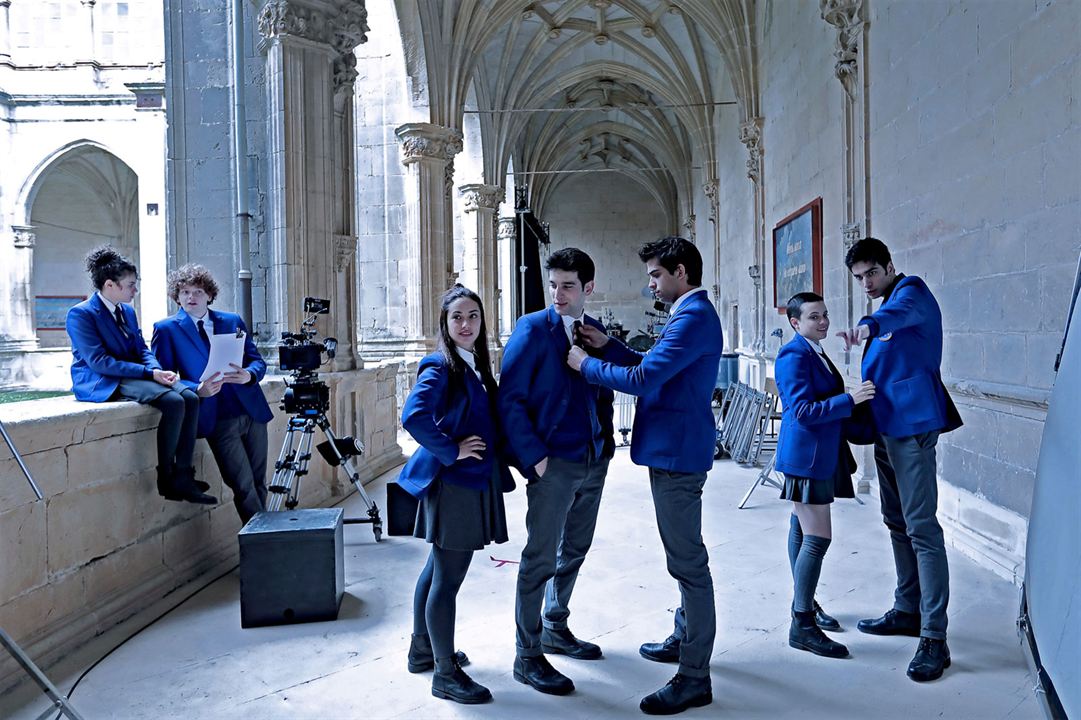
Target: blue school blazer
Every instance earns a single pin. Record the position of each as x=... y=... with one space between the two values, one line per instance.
x=177 y=345
x=815 y=409
x=902 y=359
x=437 y=415
x=535 y=388
x=674 y=428
x=101 y=355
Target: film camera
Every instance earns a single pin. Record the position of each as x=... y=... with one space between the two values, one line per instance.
x=307 y=399
x=301 y=355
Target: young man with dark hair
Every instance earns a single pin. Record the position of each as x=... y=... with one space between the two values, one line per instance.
x=674 y=437
x=559 y=428
x=911 y=408
x=233 y=413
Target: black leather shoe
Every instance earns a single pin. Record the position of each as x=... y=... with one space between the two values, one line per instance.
x=894 y=622
x=824 y=621
x=665 y=652
x=680 y=693
x=563 y=642
x=451 y=683
x=932 y=657
x=805 y=634
x=421 y=657
x=539 y=673
x=184 y=485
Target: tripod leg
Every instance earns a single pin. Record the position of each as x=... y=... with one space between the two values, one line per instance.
x=304 y=456
x=354 y=477
x=282 y=481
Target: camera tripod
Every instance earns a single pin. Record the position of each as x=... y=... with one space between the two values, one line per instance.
x=292 y=465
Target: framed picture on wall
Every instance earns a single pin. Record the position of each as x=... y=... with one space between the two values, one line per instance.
x=797 y=254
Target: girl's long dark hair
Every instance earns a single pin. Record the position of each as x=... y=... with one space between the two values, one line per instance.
x=448 y=349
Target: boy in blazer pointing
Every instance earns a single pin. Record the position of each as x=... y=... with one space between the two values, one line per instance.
x=233 y=413
x=559 y=428
x=674 y=436
x=911 y=408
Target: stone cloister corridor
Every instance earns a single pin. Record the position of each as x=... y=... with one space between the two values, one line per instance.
x=374 y=153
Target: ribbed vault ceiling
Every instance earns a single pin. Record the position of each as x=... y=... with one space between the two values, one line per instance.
x=565 y=86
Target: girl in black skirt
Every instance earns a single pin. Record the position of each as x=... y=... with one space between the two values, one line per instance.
x=815 y=460
x=460 y=480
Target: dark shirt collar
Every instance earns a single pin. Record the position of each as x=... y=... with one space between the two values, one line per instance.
x=889 y=291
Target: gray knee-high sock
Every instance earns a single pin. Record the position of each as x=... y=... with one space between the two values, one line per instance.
x=808 y=568
x=795 y=541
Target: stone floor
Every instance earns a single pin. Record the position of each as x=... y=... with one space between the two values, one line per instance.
x=197 y=662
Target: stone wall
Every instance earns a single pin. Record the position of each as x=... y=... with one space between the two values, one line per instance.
x=102 y=545
x=972 y=133
x=609 y=220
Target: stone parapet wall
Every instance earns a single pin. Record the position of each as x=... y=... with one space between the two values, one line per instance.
x=103 y=545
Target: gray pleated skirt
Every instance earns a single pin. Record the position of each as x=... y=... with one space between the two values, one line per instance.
x=458 y=518
x=822 y=491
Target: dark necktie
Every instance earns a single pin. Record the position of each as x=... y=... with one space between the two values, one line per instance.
x=574 y=333
x=119 y=314
x=833 y=368
x=203 y=335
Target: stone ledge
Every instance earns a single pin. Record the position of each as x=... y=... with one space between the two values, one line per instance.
x=102 y=546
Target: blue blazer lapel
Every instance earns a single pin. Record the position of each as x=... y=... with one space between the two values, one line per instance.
x=828 y=380
x=188 y=329
x=112 y=333
x=555 y=327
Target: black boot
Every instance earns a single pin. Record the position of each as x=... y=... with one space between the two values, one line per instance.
x=451 y=683
x=825 y=621
x=422 y=658
x=166 y=484
x=680 y=693
x=804 y=634
x=184 y=485
x=932 y=657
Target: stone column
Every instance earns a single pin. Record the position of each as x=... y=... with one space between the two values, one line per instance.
x=305 y=41
x=428 y=153
x=750 y=134
x=21 y=309
x=508 y=286
x=847 y=17
x=153 y=252
x=5 y=32
x=482 y=247
x=346 y=322
x=86 y=46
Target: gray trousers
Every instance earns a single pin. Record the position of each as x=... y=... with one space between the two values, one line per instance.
x=677 y=500
x=239 y=445
x=559 y=522
x=908 y=488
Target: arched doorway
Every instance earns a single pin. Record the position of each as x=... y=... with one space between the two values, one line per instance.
x=84 y=198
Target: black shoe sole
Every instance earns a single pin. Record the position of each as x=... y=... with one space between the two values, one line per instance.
x=932 y=676
x=546 y=690
x=552 y=649
x=479 y=700
x=700 y=701
x=816 y=651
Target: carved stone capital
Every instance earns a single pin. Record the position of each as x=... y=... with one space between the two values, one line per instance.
x=688 y=225
x=851 y=232
x=5 y=3
x=479 y=196
x=344 y=73
x=341 y=24
x=24 y=235
x=425 y=140
x=506 y=229
x=846 y=16
x=750 y=134
x=711 y=189
x=755 y=272
x=345 y=249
